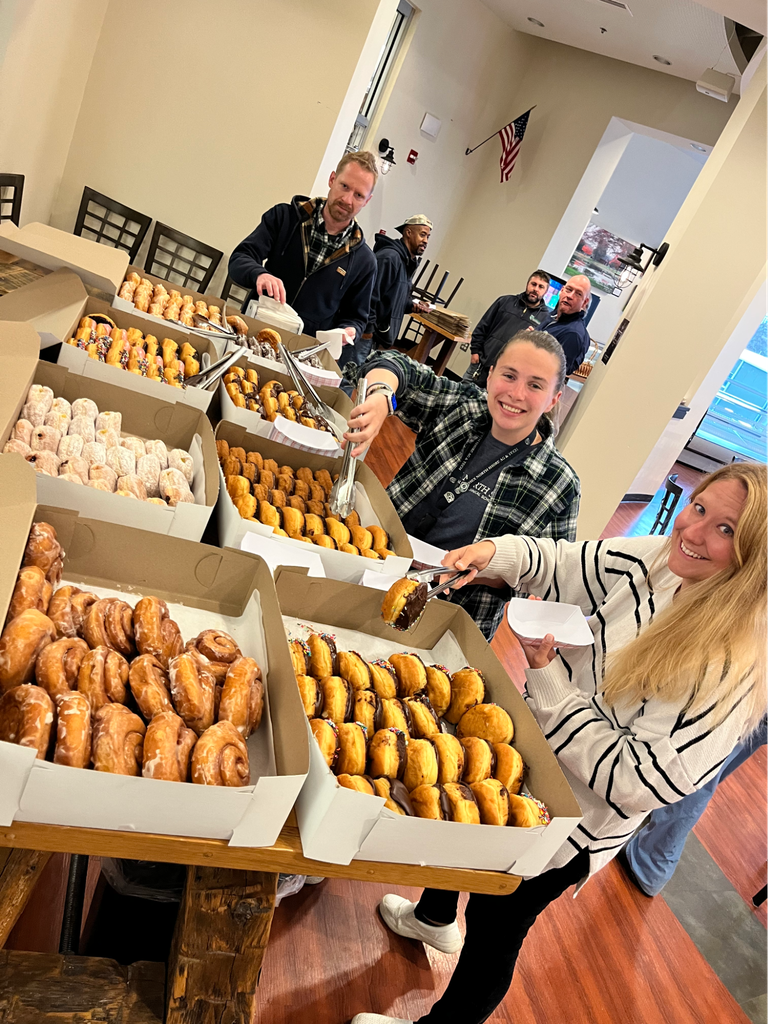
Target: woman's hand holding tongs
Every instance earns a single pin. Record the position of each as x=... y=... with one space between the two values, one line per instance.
x=473 y=557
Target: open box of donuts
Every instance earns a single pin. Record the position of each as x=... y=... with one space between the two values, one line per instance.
x=97 y=459
x=342 y=559
x=385 y=740
x=145 y=682
x=261 y=351
x=252 y=398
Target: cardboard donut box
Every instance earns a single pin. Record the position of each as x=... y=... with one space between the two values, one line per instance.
x=207 y=582
x=177 y=424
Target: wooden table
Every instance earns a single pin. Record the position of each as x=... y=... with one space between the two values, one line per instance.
x=223 y=925
x=16 y=272
x=433 y=336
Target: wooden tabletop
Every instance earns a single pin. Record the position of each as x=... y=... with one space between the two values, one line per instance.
x=433 y=327
x=286 y=856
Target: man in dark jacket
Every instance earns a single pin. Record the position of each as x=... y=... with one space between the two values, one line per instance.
x=508 y=315
x=311 y=253
x=569 y=327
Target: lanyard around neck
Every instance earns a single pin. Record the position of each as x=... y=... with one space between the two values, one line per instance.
x=462 y=486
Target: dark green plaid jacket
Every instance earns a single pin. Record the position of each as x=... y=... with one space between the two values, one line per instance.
x=538 y=497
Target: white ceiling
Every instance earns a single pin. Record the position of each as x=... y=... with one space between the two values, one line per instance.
x=690 y=35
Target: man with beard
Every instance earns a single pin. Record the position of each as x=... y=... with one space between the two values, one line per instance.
x=396 y=260
x=569 y=327
x=311 y=253
x=502 y=321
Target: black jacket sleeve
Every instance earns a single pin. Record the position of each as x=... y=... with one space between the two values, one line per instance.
x=247 y=261
x=384 y=294
x=483 y=329
x=355 y=306
x=575 y=346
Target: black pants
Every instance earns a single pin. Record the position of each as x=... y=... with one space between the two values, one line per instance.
x=496 y=928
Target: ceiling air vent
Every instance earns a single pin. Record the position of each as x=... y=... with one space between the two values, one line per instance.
x=612 y=3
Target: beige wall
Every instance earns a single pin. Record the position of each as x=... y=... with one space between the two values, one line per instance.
x=504 y=230
x=46 y=49
x=203 y=121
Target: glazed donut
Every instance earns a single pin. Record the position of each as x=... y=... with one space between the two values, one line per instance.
x=299 y=656
x=411 y=674
x=109 y=623
x=383 y=678
x=387 y=754
x=366 y=709
x=32 y=590
x=467 y=689
x=75 y=466
x=155 y=632
x=509 y=767
x=462 y=806
x=73 y=731
x=396 y=715
x=527 y=812
x=450 y=757
x=322 y=655
x=352 y=749
x=326 y=735
x=118 y=740
x=311 y=695
x=488 y=722
x=44 y=550
x=58 y=666
x=492 y=800
x=192 y=690
x=22 y=431
x=396 y=796
x=122 y=460
x=424 y=719
x=479 y=759
x=150 y=686
x=81 y=602
x=168 y=745
x=60 y=611
x=439 y=688
x=21 y=642
x=26 y=717
x=220 y=650
x=337 y=699
x=242 y=696
x=354 y=668
x=220 y=757
x=420 y=764
x=103 y=677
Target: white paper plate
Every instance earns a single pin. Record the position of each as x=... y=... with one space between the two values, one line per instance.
x=532 y=620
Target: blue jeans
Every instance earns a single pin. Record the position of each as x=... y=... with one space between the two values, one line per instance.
x=654 y=851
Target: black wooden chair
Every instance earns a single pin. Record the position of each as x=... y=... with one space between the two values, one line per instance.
x=11 y=191
x=108 y=222
x=672 y=496
x=234 y=291
x=181 y=259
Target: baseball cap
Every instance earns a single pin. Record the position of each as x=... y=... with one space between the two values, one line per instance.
x=417 y=218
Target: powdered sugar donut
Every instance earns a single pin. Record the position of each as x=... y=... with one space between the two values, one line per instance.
x=127 y=494
x=122 y=460
x=40 y=394
x=70 y=445
x=84 y=426
x=101 y=471
x=107 y=437
x=180 y=459
x=157 y=501
x=22 y=431
x=135 y=445
x=76 y=465
x=85 y=407
x=45 y=439
x=45 y=462
x=100 y=485
x=15 y=445
x=35 y=413
x=94 y=451
x=148 y=468
x=63 y=406
x=157 y=448
x=173 y=486
x=110 y=421
x=57 y=419
x=133 y=484
x=72 y=477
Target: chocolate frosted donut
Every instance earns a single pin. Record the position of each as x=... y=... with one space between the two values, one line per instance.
x=450 y=757
x=421 y=764
x=462 y=803
x=327 y=736
x=425 y=721
x=311 y=695
x=509 y=767
x=479 y=759
x=411 y=674
x=467 y=689
x=352 y=749
x=322 y=655
x=493 y=801
x=354 y=668
x=384 y=678
x=358 y=783
x=439 y=687
x=396 y=796
x=396 y=715
x=403 y=603
x=366 y=709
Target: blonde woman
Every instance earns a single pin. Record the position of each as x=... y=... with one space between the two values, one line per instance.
x=675 y=678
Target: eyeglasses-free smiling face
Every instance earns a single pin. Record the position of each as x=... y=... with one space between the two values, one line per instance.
x=702 y=537
x=521 y=388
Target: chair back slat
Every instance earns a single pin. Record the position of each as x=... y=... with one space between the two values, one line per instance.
x=234 y=291
x=11 y=191
x=108 y=222
x=180 y=259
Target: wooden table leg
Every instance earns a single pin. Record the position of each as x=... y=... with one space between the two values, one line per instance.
x=429 y=338
x=221 y=934
x=18 y=877
x=444 y=355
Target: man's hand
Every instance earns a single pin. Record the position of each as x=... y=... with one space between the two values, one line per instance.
x=475 y=358
x=350 y=335
x=266 y=284
x=420 y=307
x=367 y=420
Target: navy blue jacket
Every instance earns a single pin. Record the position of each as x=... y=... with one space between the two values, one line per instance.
x=336 y=294
x=392 y=294
x=500 y=322
x=570 y=330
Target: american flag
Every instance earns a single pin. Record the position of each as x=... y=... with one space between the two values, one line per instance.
x=511 y=140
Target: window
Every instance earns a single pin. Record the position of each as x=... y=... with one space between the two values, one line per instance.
x=379 y=77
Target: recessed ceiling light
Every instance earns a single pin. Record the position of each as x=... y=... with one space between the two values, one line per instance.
x=661 y=60
x=535 y=21
x=701 y=149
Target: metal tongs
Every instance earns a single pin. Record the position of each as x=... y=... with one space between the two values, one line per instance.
x=342 y=499
x=205 y=378
x=314 y=402
x=437 y=588
x=222 y=328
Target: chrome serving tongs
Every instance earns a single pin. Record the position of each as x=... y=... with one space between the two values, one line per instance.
x=205 y=378
x=315 y=404
x=429 y=574
x=342 y=499
x=203 y=321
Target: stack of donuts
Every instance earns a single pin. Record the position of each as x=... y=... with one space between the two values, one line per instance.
x=295 y=503
x=270 y=400
x=164 y=361
x=88 y=681
x=78 y=443
x=381 y=727
x=156 y=300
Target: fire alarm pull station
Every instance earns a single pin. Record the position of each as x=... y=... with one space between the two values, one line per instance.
x=412 y=157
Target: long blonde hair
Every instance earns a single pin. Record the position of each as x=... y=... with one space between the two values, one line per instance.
x=713 y=628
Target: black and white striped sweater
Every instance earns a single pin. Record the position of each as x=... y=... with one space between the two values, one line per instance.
x=620 y=762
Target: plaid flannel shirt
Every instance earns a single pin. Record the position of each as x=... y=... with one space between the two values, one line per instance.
x=319 y=246
x=538 y=497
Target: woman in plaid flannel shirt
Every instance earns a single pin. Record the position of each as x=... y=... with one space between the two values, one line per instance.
x=460 y=430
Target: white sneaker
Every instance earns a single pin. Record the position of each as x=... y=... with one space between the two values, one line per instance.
x=378 y=1018
x=398 y=915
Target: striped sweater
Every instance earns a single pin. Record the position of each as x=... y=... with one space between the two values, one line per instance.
x=625 y=761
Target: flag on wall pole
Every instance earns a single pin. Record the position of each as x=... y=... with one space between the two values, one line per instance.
x=511 y=136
